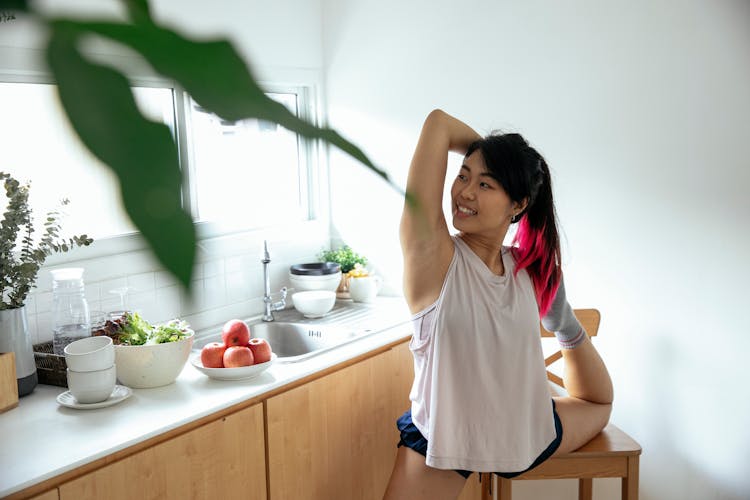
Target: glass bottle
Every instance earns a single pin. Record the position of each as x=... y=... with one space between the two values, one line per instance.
x=70 y=312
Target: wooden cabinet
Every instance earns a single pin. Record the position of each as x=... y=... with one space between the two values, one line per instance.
x=331 y=438
x=472 y=489
x=221 y=459
x=335 y=437
x=47 y=495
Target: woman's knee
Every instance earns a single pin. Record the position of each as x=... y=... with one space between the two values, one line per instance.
x=581 y=421
x=413 y=479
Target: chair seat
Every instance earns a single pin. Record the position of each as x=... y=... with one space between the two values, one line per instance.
x=604 y=456
x=611 y=453
x=611 y=441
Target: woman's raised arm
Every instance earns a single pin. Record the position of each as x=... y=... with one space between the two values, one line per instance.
x=425 y=240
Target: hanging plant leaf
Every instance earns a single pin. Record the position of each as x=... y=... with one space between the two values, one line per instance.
x=217 y=78
x=102 y=110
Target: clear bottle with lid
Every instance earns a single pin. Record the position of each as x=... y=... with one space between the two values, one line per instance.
x=70 y=311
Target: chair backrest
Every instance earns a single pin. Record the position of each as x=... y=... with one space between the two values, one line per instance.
x=589 y=319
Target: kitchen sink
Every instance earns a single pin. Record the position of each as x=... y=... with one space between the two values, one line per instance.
x=296 y=338
x=295 y=341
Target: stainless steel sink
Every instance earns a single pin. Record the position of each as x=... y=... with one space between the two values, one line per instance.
x=295 y=341
x=295 y=338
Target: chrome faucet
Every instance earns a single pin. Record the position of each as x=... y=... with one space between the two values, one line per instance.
x=271 y=306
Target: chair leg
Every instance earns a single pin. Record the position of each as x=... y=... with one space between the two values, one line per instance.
x=504 y=489
x=486 y=480
x=630 y=483
x=585 y=489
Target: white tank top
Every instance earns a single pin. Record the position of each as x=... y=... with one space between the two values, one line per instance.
x=480 y=395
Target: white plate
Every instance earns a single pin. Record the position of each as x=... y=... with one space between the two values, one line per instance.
x=239 y=373
x=120 y=393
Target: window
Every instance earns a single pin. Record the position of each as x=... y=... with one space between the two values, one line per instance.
x=249 y=173
x=241 y=175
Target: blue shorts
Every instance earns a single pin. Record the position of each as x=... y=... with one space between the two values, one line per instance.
x=412 y=438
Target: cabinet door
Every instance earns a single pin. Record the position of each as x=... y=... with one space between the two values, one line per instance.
x=335 y=437
x=222 y=459
x=47 y=495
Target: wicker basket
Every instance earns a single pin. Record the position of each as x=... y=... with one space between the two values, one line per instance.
x=51 y=368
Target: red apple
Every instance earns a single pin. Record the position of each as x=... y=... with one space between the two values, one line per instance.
x=235 y=332
x=238 y=355
x=261 y=350
x=212 y=355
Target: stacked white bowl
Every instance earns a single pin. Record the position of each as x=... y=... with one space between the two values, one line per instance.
x=315 y=276
x=314 y=303
x=91 y=369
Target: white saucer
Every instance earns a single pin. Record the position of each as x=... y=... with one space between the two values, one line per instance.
x=120 y=393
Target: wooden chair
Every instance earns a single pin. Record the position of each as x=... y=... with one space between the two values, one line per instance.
x=612 y=453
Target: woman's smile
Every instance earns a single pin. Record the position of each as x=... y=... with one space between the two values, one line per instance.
x=463 y=212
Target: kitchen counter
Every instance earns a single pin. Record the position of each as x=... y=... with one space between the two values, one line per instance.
x=41 y=439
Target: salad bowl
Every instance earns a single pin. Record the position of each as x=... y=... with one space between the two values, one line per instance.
x=148 y=355
x=152 y=365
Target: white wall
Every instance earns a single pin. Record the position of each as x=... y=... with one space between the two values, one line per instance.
x=270 y=34
x=641 y=109
x=282 y=42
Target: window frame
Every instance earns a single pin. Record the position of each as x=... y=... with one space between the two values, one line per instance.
x=26 y=66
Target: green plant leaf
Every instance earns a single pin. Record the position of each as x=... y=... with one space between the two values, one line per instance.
x=21 y=5
x=139 y=11
x=215 y=75
x=102 y=110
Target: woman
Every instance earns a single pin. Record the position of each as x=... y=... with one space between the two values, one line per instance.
x=480 y=399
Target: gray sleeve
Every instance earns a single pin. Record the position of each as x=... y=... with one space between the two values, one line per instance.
x=560 y=318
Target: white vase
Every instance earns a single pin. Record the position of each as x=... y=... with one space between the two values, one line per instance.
x=14 y=337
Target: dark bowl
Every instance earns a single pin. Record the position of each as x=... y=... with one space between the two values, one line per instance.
x=315 y=269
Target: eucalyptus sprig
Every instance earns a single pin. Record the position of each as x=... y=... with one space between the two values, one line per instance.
x=6 y=17
x=19 y=266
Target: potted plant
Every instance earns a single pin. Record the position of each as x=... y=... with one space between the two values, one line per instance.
x=21 y=257
x=350 y=262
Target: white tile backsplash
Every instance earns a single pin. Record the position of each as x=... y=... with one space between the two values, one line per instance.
x=215 y=290
x=140 y=282
x=145 y=304
x=106 y=287
x=93 y=292
x=163 y=278
x=213 y=268
x=237 y=287
x=235 y=263
x=227 y=281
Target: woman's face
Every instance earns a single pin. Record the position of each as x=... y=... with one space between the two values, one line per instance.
x=479 y=202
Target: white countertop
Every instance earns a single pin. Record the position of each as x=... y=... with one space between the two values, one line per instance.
x=41 y=439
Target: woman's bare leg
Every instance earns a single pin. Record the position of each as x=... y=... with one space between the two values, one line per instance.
x=412 y=479
x=585 y=412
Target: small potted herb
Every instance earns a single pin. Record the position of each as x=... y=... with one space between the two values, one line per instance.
x=21 y=257
x=350 y=262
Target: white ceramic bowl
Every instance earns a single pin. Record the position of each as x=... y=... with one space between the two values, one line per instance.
x=237 y=373
x=328 y=282
x=145 y=366
x=90 y=354
x=314 y=303
x=93 y=386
